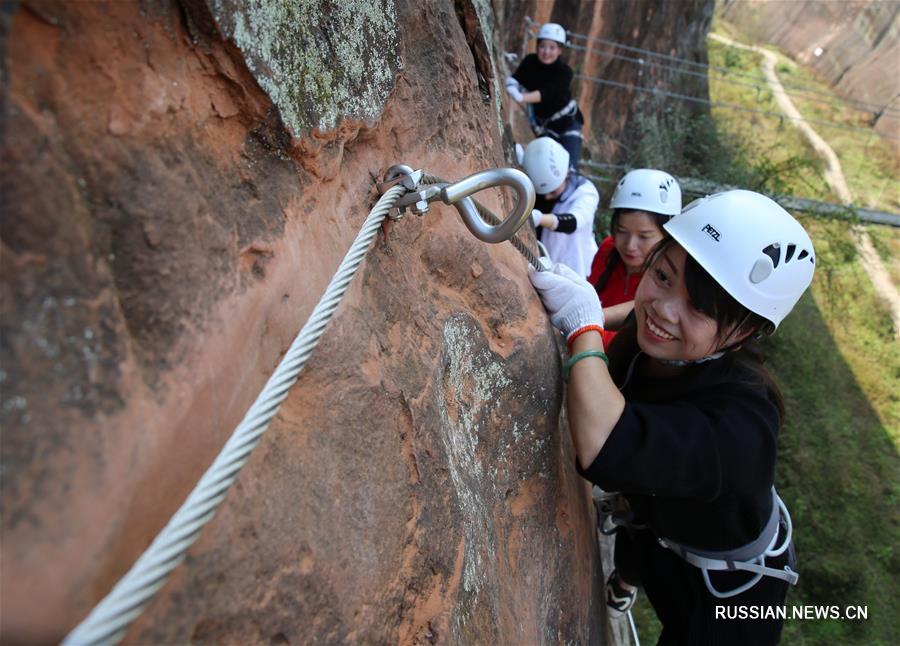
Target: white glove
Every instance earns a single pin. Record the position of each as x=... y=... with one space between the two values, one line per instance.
x=536 y=217
x=569 y=299
x=512 y=88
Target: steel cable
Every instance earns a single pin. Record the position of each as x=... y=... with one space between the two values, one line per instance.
x=109 y=620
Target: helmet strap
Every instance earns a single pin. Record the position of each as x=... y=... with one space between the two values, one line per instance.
x=715 y=355
x=691 y=362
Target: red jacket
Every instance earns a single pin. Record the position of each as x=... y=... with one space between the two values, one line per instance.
x=620 y=287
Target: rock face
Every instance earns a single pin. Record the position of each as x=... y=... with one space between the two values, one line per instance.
x=860 y=43
x=180 y=180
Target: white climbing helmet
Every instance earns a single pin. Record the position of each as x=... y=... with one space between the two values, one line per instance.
x=552 y=31
x=645 y=189
x=546 y=162
x=751 y=246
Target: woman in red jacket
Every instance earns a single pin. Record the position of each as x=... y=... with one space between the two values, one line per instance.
x=643 y=201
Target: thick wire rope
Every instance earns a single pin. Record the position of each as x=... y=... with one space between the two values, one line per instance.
x=107 y=623
x=690 y=186
x=492 y=219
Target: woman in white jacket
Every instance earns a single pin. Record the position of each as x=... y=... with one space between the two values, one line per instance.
x=565 y=205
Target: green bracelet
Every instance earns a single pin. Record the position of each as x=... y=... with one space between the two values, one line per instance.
x=571 y=361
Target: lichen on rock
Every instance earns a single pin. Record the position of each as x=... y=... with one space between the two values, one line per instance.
x=318 y=60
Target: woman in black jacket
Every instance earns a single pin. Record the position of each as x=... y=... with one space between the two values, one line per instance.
x=543 y=82
x=685 y=420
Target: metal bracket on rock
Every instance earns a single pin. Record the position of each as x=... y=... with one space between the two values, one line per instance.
x=416 y=199
x=458 y=194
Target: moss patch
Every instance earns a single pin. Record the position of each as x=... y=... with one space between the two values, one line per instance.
x=318 y=60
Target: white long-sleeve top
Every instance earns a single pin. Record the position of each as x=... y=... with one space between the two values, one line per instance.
x=576 y=249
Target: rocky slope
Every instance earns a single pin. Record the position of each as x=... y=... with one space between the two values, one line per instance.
x=180 y=179
x=859 y=42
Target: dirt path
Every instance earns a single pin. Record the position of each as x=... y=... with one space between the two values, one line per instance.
x=834 y=175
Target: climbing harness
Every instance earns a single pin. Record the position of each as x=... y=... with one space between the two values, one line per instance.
x=747 y=558
x=568 y=110
x=613 y=513
x=403 y=188
x=540 y=126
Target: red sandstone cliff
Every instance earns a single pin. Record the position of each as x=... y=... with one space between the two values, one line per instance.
x=180 y=179
x=174 y=206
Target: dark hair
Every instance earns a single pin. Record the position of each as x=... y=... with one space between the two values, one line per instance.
x=614 y=258
x=732 y=318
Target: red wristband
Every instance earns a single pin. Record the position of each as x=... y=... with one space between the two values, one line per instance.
x=577 y=333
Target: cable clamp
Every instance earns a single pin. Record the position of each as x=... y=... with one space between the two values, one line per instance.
x=410 y=179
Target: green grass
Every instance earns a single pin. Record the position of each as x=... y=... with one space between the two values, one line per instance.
x=838 y=470
x=772 y=144
x=869 y=163
x=835 y=358
x=886 y=241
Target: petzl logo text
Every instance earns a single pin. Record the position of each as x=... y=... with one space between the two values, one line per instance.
x=711 y=232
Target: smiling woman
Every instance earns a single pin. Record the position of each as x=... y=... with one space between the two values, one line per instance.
x=643 y=201
x=669 y=326
x=682 y=314
x=684 y=421
x=543 y=82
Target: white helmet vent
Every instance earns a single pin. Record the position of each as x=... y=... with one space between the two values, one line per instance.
x=773 y=251
x=751 y=246
x=764 y=267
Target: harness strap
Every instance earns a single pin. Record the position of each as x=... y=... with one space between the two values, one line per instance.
x=566 y=111
x=747 y=552
x=748 y=558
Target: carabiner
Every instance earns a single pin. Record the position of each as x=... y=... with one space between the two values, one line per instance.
x=458 y=194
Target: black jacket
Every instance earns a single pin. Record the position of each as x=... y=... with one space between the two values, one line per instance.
x=694 y=455
x=552 y=80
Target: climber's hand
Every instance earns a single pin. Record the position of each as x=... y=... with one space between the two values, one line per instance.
x=569 y=299
x=512 y=88
x=536 y=217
